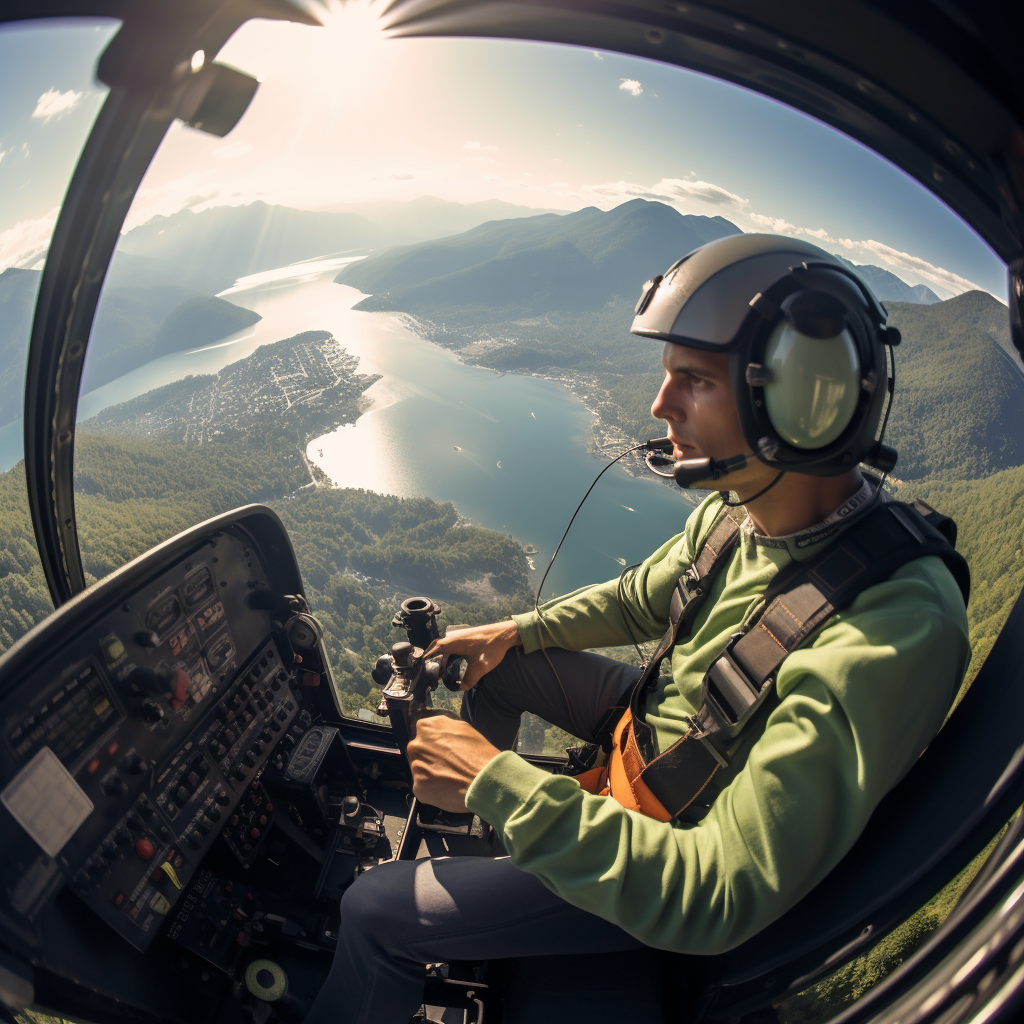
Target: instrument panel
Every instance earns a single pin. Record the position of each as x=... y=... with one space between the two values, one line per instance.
x=128 y=740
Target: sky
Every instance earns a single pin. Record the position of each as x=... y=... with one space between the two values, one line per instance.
x=345 y=115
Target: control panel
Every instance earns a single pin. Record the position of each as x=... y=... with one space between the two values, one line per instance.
x=125 y=755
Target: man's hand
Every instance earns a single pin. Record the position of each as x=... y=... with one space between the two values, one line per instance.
x=483 y=647
x=446 y=756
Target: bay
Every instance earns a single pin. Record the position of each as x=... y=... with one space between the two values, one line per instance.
x=510 y=451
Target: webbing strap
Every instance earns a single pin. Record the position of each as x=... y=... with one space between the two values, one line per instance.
x=688 y=597
x=797 y=602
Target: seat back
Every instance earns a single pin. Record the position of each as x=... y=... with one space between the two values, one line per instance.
x=957 y=796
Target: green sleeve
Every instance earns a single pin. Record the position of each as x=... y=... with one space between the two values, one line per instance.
x=857 y=708
x=592 y=617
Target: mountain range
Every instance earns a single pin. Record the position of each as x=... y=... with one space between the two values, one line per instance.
x=240 y=240
x=575 y=263
x=147 y=309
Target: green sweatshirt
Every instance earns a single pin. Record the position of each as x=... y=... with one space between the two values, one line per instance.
x=858 y=705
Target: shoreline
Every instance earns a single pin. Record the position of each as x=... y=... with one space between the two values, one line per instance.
x=603 y=440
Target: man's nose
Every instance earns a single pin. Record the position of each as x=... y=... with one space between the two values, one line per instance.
x=664 y=407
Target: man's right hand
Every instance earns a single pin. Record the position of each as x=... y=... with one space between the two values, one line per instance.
x=483 y=647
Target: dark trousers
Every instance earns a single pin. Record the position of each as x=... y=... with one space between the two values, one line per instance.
x=402 y=915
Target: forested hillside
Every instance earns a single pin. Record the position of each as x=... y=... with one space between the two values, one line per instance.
x=960 y=398
x=133 y=493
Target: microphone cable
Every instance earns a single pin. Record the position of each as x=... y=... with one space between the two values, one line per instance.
x=650 y=445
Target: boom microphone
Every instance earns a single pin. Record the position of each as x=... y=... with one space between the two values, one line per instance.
x=687 y=472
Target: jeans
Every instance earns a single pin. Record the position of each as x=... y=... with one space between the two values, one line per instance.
x=402 y=915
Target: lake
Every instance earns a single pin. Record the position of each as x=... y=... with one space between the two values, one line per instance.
x=510 y=451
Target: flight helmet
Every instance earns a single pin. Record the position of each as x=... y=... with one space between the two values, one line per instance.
x=806 y=341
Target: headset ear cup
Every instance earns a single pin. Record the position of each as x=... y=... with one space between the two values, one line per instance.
x=812 y=385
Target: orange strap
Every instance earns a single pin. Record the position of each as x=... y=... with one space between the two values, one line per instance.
x=620 y=777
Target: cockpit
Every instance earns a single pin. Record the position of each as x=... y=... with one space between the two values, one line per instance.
x=213 y=667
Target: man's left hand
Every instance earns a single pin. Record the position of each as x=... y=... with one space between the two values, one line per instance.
x=446 y=756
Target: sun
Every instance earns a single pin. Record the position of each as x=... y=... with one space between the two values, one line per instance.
x=352 y=41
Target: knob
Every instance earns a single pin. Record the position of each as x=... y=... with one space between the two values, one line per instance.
x=194 y=841
x=147 y=638
x=203 y=828
x=134 y=764
x=230 y=736
x=193 y=780
x=97 y=870
x=213 y=814
x=144 y=808
x=254 y=833
x=152 y=711
x=249 y=758
x=132 y=820
x=257 y=748
x=233 y=820
x=109 y=850
x=265 y=736
x=181 y=796
x=350 y=806
x=223 y=799
x=218 y=749
x=144 y=849
x=402 y=654
x=239 y=774
x=115 y=786
x=122 y=837
x=287 y=741
x=275 y=726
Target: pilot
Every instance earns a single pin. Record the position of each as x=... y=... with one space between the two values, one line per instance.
x=774 y=376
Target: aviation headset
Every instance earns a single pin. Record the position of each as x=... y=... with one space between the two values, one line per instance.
x=806 y=341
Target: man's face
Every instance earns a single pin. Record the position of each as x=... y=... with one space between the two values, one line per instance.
x=697 y=404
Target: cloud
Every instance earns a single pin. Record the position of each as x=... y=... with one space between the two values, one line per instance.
x=912 y=269
x=26 y=242
x=597 y=55
x=475 y=144
x=668 y=190
x=479 y=159
x=402 y=177
x=3 y=153
x=775 y=224
x=631 y=85
x=55 y=104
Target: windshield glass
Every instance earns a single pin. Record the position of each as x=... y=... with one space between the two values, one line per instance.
x=393 y=303
x=50 y=101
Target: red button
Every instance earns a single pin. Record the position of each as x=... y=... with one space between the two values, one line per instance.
x=93 y=766
x=144 y=848
x=181 y=685
x=118 y=899
x=112 y=749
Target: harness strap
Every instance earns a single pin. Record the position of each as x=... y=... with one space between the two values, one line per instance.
x=741 y=680
x=688 y=597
